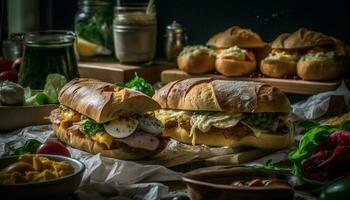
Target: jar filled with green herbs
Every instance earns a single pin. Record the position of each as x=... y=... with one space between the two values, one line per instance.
x=47 y=52
x=93 y=26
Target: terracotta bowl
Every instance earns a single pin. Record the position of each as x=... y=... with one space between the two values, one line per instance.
x=215 y=184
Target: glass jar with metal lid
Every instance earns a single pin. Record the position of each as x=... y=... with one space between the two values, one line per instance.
x=93 y=26
x=135 y=33
x=47 y=52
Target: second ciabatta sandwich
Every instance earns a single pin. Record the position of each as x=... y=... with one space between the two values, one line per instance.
x=100 y=117
x=225 y=113
x=234 y=51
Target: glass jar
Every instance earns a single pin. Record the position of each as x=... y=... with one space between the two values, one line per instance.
x=93 y=26
x=135 y=33
x=47 y=52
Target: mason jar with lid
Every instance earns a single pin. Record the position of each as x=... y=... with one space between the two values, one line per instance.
x=47 y=52
x=93 y=26
x=135 y=33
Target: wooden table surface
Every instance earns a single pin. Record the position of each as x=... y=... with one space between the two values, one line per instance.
x=112 y=71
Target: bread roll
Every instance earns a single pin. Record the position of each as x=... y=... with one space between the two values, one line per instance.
x=278 y=68
x=222 y=95
x=236 y=36
x=232 y=67
x=197 y=64
x=301 y=39
x=122 y=151
x=104 y=101
x=314 y=70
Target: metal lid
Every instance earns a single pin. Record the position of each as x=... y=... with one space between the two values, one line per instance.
x=175 y=27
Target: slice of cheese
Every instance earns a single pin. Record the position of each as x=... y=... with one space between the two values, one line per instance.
x=103 y=138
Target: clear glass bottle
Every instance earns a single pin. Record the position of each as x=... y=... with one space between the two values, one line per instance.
x=93 y=27
x=135 y=33
x=47 y=52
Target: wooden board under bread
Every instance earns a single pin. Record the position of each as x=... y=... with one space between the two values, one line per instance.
x=286 y=85
x=115 y=72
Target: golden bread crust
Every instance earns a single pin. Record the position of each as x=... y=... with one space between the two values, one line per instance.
x=301 y=39
x=277 y=68
x=314 y=70
x=217 y=138
x=104 y=101
x=196 y=64
x=221 y=95
x=236 y=36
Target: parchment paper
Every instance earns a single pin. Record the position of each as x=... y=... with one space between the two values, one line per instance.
x=317 y=105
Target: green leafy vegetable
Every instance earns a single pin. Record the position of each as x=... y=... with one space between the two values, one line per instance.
x=30 y=146
x=39 y=98
x=307 y=125
x=310 y=141
x=139 y=84
x=90 y=127
x=261 y=120
x=53 y=85
x=269 y=165
x=98 y=28
x=314 y=137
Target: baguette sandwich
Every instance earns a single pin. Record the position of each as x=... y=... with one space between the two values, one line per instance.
x=100 y=117
x=225 y=113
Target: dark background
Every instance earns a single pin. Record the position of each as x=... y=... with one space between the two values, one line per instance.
x=203 y=18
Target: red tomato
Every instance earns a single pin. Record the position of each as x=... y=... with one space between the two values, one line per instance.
x=10 y=75
x=53 y=147
x=5 y=64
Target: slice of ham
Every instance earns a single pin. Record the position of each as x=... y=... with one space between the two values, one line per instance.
x=141 y=140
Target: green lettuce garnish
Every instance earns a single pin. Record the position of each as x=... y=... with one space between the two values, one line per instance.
x=53 y=85
x=30 y=146
x=90 y=127
x=139 y=84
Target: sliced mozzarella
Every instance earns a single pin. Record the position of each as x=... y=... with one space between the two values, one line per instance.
x=150 y=124
x=121 y=128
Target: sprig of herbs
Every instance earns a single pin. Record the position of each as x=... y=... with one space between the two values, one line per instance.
x=90 y=127
x=30 y=146
x=139 y=84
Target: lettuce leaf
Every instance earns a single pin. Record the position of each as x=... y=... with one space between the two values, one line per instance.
x=139 y=84
x=53 y=85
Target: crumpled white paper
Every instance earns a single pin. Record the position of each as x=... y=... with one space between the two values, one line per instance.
x=104 y=178
x=317 y=105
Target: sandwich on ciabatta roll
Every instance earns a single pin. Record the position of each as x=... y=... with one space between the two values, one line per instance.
x=225 y=113
x=309 y=54
x=234 y=51
x=100 y=117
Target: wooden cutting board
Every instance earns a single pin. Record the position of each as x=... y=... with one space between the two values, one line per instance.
x=116 y=72
x=286 y=85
